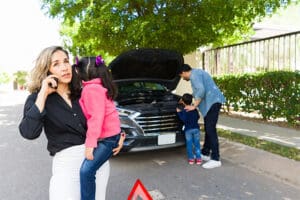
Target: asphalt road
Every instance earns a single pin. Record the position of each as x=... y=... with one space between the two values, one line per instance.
x=167 y=173
x=26 y=166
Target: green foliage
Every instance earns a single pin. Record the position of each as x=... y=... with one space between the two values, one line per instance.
x=20 y=77
x=4 y=77
x=273 y=94
x=90 y=27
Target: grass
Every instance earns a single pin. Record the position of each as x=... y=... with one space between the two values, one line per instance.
x=285 y=151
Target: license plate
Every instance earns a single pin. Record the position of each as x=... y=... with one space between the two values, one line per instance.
x=166 y=139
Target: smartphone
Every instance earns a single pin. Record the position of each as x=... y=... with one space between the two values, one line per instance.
x=50 y=84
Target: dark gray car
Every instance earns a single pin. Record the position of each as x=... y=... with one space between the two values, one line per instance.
x=146 y=104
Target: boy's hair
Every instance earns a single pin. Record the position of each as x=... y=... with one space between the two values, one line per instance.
x=87 y=69
x=187 y=98
x=184 y=68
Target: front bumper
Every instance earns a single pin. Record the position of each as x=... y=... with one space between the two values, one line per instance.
x=145 y=143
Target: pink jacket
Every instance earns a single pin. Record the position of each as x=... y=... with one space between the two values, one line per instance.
x=101 y=114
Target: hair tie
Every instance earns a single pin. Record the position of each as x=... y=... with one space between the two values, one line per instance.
x=99 y=61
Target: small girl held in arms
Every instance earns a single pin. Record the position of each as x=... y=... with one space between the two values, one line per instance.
x=191 y=129
x=103 y=121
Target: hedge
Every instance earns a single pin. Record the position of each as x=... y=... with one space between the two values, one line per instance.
x=271 y=94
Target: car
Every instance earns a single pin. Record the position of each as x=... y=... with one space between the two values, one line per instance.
x=147 y=107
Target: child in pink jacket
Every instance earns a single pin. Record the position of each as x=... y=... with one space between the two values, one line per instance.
x=103 y=123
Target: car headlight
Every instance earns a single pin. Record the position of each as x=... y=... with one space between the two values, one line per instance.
x=128 y=124
x=128 y=113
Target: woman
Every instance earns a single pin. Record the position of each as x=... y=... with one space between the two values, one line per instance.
x=53 y=106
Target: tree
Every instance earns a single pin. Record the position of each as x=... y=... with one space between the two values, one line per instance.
x=4 y=77
x=90 y=27
x=20 y=77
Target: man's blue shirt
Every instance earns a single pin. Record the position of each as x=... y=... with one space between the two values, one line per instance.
x=204 y=88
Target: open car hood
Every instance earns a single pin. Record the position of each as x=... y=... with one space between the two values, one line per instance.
x=159 y=65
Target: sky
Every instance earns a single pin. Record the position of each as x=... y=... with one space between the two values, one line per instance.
x=25 y=31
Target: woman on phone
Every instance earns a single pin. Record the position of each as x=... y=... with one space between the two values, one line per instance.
x=53 y=107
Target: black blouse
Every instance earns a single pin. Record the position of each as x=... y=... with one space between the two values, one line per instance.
x=63 y=125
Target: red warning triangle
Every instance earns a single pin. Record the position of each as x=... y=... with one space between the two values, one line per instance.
x=139 y=192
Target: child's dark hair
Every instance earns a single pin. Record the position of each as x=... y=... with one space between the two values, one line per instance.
x=187 y=98
x=75 y=86
x=88 y=68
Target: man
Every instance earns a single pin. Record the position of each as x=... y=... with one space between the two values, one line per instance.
x=208 y=98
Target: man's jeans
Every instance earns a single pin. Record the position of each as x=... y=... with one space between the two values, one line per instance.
x=89 y=167
x=211 y=142
x=192 y=137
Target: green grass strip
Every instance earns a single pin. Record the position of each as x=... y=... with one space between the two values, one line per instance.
x=285 y=151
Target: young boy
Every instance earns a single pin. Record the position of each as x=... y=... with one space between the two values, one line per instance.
x=191 y=129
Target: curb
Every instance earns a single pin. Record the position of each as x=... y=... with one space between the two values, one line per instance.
x=275 y=166
x=279 y=135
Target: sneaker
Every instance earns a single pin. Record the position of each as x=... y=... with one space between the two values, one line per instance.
x=212 y=164
x=205 y=158
x=198 y=161
x=191 y=161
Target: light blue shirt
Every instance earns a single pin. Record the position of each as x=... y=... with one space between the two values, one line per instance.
x=204 y=88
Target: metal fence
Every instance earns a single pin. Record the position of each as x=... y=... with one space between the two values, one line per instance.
x=280 y=52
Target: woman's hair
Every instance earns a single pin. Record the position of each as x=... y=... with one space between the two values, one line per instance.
x=88 y=68
x=41 y=69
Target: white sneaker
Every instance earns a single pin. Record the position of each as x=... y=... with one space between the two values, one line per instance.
x=205 y=158
x=212 y=164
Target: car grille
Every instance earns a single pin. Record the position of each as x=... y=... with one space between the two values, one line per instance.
x=167 y=122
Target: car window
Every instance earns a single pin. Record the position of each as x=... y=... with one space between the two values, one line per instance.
x=153 y=86
x=140 y=87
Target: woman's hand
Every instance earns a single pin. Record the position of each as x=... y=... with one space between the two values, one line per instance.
x=89 y=153
x=49 y=85
x=121 y=141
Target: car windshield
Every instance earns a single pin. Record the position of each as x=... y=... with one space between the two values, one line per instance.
x=133 y=87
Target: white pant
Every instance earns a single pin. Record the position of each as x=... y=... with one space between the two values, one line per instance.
x=65 y=184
